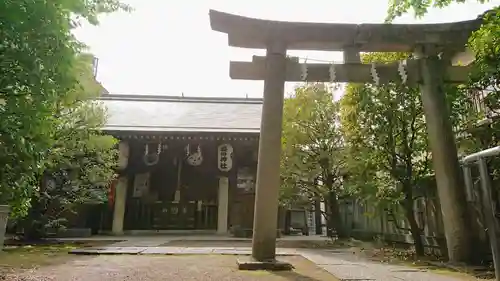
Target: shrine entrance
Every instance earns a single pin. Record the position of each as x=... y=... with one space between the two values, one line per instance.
x=188 y=181
x=177 y=191
x=434 y=46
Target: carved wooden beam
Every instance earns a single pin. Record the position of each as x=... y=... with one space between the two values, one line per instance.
x=352 y=72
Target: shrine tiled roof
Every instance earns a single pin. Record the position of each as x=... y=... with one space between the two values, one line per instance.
x=182 y=114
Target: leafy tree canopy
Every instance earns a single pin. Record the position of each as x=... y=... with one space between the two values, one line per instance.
x=384 y=127
x=419 y=7
x=312 y=159
x=81 y=162
x=37 y=70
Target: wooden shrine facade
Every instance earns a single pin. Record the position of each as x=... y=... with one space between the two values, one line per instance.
x=185 y=163
x=175 y=180
x=434 y=48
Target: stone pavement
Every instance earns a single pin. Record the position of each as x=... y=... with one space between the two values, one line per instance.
x=347 y=266
x=342 y=264
x=157 y=240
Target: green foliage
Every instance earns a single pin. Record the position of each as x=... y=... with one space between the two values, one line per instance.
x=419 y=7
x=37 y=70
x=389 y=155
x=78 y=141
x=485 y=84
x=80 y=164
x=385 y=128
x=35 y=67
x=312 y=155
x=477 y=105
x=485 y=43
x=312 y=162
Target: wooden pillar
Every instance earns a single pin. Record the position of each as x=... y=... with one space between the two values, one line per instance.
x=222 y=205
x=120 y=204
x=268 y=168
x=123 y=154
x=450 y=187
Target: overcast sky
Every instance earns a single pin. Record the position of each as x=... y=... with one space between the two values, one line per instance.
x=166 y=47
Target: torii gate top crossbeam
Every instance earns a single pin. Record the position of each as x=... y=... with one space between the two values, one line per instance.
x=253 y=33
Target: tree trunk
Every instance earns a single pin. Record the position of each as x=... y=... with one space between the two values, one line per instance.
x=415 y=230
x=33 y=228
x=317 y=217
x=33 y=223
x=334 y=221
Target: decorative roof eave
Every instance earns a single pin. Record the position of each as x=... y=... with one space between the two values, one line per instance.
x=254 y=33
x=162 y=98
x=177 y=130
x=187 y=137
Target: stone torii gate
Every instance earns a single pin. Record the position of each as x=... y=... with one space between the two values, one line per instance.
x=434 y=45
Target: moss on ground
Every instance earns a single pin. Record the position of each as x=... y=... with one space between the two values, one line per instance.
x=28 y=256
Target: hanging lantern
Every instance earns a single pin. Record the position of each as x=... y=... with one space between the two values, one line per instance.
x=194 y=159
x=153 y=158
x=225 y=157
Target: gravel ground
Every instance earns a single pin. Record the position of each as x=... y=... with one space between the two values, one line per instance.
x=175 y=268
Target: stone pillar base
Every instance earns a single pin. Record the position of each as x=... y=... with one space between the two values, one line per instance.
x=248 y=263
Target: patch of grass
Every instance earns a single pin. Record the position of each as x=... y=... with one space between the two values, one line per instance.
x=26 y=257
x=35 y=255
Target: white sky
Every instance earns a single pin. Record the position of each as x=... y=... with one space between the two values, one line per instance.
x=166 y=47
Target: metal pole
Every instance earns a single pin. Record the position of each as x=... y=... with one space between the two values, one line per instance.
x=481 y=154
x=469 y=185
x=489 y=215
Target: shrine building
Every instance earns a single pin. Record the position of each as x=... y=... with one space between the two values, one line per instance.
x=185 y=163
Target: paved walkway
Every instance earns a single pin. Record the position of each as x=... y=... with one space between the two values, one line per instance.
x=341 y=263
x=157 y=240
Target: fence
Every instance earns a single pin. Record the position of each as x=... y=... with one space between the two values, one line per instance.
x=364 y=220
x=484 y=195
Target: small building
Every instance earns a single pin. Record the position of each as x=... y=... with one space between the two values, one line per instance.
x=185 y=163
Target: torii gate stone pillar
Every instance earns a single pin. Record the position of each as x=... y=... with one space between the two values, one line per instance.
x=451 y=191
x=268 y=169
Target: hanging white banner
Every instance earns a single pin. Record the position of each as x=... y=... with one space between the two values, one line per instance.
x=225 y=157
